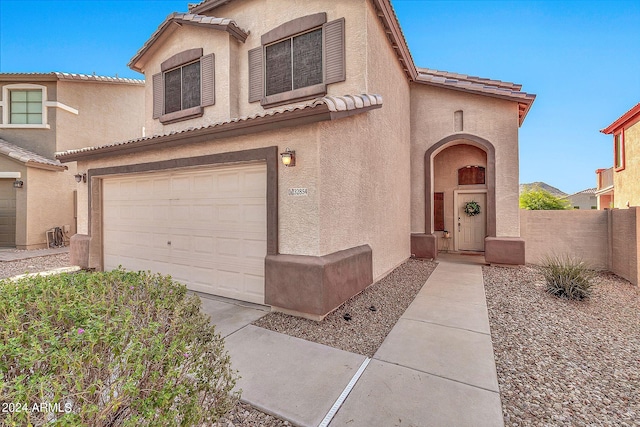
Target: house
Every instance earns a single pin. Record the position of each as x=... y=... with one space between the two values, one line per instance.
x=585 y=199
x=296 y=154
x=40 y=115
x=619 y=187
x=604 y=189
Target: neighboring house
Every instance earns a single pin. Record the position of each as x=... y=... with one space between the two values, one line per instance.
x=41 y=114
x=604 y=190
x=382 y=156
x=624 y=182
x=585 y=199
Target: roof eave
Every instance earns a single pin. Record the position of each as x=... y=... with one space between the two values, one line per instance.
x=630 y=116
x=137 y=64
x=225 y=130
x=38 y=165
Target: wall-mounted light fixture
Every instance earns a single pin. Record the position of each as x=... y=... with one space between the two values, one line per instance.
x=288 y=157
x=80 y=177
x=18 y=184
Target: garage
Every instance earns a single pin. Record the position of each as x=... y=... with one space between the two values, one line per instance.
x=206 y=227
x=7 y=213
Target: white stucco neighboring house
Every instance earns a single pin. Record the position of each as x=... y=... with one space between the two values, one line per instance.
x=296 y=154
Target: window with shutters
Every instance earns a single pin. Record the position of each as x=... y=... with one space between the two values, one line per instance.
x=184 y=86
x=297 y=60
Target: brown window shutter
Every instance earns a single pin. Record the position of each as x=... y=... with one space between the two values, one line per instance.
x=255 y=75
x=334 y=54
x=438 y=211
x=158 y=95
x=207 y=74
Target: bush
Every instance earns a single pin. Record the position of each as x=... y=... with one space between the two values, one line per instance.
x=567 y=277
x=537 y=199
x=109 y=349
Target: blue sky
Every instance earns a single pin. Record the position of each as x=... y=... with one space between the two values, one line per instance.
x=580 y=58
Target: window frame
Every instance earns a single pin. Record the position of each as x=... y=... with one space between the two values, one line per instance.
x=207 y=88
x=333 y=59
x=618 y=151
x=6 y=106
x=293 y=93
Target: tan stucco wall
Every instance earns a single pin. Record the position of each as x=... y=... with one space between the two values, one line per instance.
x=40 y=141
x=364 y=178
x=583 y=201
x=626 y=182
x=107 y=113
x=49 y=199
x=492 y=119
x=446 y=165
x=231 y=56
x=582 y=233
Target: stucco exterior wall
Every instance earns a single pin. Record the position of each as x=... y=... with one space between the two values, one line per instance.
x=583 y=201
x=492 y=119
x=446 y=165
x=49 y=198
x=231 y=56
x=40 y=141
x=190 y=37
x=107 y=113
x=626 y=182
x=364 y=177
x=582 y=233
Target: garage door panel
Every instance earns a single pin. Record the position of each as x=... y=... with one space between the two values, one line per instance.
x=215 y=219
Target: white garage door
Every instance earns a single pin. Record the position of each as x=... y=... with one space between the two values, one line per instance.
x=205 y=227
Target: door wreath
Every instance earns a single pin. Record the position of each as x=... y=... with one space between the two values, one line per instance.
x=472 y=208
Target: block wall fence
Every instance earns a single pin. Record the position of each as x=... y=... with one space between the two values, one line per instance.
x=608 y=240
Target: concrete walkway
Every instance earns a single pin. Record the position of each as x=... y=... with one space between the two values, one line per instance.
x=435 y=368
x=11 y=254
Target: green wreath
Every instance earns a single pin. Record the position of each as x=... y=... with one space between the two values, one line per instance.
x=472 y=208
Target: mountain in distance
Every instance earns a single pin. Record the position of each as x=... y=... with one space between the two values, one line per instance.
x=553 y=190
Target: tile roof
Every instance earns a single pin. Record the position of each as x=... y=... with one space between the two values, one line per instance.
x=587 y=191
x=481 y=86
x=28 y=157
x=325 y=108
x=393 y=30
x=55 y=75
x=212 y=22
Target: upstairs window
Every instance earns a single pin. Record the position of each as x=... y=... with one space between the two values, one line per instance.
x=25 y=107
x=294 y=63
x=618 y=151
x=297 y=60
x=184 y=86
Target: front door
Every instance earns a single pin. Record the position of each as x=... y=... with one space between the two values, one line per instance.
x=471 y=228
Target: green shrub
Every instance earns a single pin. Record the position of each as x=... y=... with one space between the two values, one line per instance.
x=567 y=276
x=536 y=199
x=109 y=349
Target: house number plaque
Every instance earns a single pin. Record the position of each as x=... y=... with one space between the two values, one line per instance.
x=298 y=192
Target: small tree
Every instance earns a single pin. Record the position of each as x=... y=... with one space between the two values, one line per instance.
x=537 y=199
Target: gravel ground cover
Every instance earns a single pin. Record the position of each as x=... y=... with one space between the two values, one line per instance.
x=33 y=265
x=372 y=313
x=560 y=362
x=247 y=416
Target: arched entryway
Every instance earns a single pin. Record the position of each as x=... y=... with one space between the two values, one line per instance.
x=460 y=177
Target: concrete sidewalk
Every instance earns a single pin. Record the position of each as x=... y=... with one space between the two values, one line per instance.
x=435 y=368
x=11 y=254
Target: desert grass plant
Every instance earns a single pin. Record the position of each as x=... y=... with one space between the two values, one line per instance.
x=109 y=349
x=567 y=276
